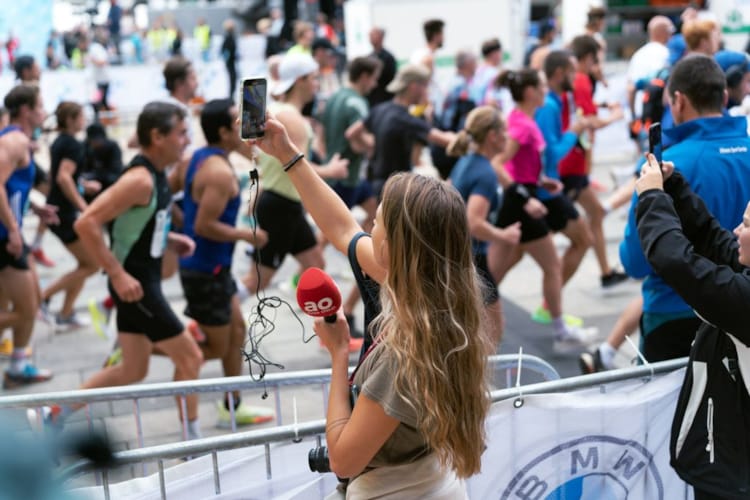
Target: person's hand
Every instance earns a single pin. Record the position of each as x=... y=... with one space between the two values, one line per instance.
x=334 y=336
x=552 y=185
x=535 y=208
x=275 y=140
x=511 y=234
x=15 y=244
x=651 y=176
x=126 y=287
x=182 y=245
x=667 y=169
x=258 y=238
x=337 y=168
x=91 y=187
x=580 y=124
x=47 y=214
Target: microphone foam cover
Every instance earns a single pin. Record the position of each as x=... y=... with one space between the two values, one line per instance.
x=317 y=293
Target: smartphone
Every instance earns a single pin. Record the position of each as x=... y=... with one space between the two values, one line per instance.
x=252 y=108
x=654 y=141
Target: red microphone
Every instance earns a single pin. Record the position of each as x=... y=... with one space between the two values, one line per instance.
x=318 y=295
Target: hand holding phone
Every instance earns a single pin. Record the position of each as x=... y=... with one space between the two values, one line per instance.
x=654 y=142
x=252 y=108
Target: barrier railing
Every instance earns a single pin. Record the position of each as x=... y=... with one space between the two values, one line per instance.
x=316 y=428
x=272 y=383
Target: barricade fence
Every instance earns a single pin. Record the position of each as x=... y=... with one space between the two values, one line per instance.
x=316 y=429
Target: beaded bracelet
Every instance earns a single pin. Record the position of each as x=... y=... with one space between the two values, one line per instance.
x=293 y=161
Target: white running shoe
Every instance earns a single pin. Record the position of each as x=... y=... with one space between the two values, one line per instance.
x=576 y=340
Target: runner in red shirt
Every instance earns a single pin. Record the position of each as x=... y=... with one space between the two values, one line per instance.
x=575 y=167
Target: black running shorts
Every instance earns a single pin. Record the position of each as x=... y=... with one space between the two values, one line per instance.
x=208 y=295
x=151 y=316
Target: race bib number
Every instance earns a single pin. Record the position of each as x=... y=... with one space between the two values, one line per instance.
x=162 y=224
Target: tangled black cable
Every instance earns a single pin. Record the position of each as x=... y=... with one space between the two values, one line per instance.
x=260 y=322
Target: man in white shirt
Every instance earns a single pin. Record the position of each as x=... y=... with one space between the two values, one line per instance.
x=650 y=58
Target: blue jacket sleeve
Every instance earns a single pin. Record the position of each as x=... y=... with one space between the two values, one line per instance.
x=631 y=252
x=558 y=144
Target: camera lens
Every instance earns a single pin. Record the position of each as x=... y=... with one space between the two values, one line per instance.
x=317 y=460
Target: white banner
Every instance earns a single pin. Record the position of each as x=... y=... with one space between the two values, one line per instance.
x=574 y=446
x=583 y=445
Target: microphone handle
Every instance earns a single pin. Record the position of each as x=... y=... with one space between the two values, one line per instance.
x=330 y=319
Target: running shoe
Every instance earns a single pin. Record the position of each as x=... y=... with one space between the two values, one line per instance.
x=100 y=316
x=71 y=322
x=614 y=278
x=44 y=314
x=576 y=340
x=114 y=358
x=591 y=362
x=29 y=375
x=6 y=348
x=195 y=331
x=41 y=258
x=243 y=415
x=542 y=315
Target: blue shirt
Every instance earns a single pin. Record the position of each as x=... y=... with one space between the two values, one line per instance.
x=713 y=154
x=473 y=175
x=559 y=143
x=210 y=256
x=17 y=188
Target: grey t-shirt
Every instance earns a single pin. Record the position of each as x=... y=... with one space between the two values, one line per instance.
x=375 y=378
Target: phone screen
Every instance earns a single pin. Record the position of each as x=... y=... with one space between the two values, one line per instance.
x=253 y=107
x=654 y=141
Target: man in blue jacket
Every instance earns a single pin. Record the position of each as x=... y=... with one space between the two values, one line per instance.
x=712 y=152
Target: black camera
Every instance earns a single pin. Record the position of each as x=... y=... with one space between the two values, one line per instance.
x=317 y=460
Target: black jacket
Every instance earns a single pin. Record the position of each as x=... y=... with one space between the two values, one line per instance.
x=691 y=252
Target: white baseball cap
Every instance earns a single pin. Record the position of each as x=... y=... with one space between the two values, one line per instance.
x=292 y=67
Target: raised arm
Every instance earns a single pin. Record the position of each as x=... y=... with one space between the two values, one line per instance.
x=328 y=210
x=717 y=292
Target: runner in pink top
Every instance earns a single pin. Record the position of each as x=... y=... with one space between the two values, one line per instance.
x=526 y=165
x=519 y=168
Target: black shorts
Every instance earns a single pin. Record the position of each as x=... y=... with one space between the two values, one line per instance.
x=356 y=195
x=288 y=231
x=559 y=211
x=6 y=259
x=151 y=316
x=573 y=185
x=208 y=296
x=64 y=230
x=490 y=293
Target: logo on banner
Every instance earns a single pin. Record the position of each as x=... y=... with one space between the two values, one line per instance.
x=602 y=467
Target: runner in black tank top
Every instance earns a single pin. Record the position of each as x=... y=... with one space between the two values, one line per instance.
x=137 y=205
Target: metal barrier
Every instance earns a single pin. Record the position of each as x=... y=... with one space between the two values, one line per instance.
x=272 y=382
x=316 y=428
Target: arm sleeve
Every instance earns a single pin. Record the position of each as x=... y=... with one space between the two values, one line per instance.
x=631 y=254
x=417 y=128
x=718 y=293
x=708 y=237
x=379 y=387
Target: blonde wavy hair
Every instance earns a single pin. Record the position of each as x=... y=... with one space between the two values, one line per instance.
x=431 y=319
x=478 y=124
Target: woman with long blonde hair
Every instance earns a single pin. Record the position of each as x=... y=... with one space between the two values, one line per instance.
x=483 y=138
x=423 y=395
